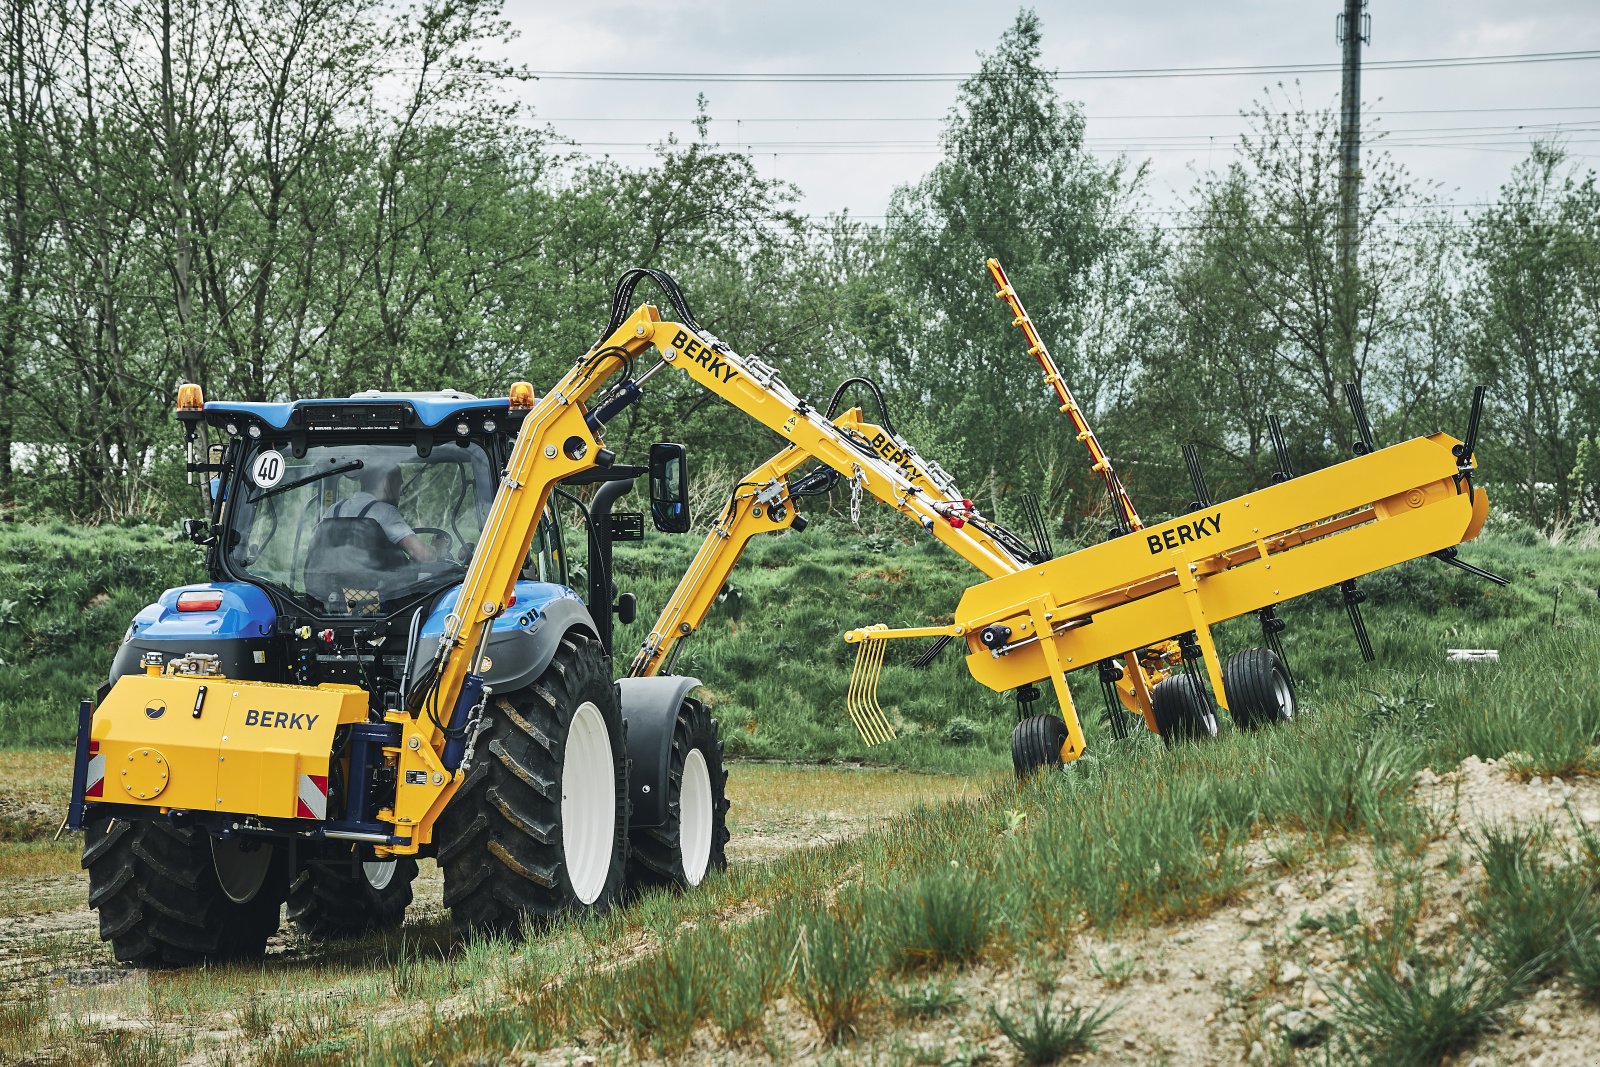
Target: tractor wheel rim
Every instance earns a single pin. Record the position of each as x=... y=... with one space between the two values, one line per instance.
x=1282 y=696
x=588 y=804
x=695 y=817
x=379 y=873
x=241 y=872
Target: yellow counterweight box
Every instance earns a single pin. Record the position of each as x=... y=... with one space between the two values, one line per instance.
x=208 y=743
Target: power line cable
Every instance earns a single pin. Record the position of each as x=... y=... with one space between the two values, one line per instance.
x=1109 y=74
x=1088 y=118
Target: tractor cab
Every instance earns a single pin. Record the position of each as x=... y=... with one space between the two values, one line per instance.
x=340 y=530
x=349 y=530
x=358 y=509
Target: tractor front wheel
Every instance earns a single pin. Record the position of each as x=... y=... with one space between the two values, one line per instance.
x=692 y=841
x=170 y=896
x=1036 y=744
x=346 y=896
x=539 y=828
x=1183 y=709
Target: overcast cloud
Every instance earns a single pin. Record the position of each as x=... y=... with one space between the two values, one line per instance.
x=1192 y=121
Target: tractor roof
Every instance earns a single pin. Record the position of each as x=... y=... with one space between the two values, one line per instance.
x=431 y=408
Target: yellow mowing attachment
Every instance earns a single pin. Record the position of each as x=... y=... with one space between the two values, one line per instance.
x=862 y=699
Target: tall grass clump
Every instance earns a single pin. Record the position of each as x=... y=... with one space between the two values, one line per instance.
x=665 y=997
x=754 y=970
x=1416 y=1021
x=1045 y=1034
x=941 y=918
x=1530 y=907
x=837 y=958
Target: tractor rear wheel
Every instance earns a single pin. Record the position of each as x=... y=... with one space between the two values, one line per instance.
x=1183 y=709
x=1036 y=744
x=540 y=826
x=1258 y=688
x=692 y=841
x=346 y=896
x=170 y=896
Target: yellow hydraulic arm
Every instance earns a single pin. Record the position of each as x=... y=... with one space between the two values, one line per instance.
x=560 y=437
x=761 y=503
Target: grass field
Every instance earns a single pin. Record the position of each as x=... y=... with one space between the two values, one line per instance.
x=1362 y=885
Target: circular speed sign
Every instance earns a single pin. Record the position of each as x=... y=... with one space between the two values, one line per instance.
x=267 y=470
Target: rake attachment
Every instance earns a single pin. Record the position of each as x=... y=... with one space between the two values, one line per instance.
x=862 y=699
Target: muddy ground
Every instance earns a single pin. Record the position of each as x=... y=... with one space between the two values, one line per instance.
x=49 y=938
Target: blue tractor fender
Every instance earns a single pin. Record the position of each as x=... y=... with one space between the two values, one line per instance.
x=650 y=708
x=238 y=630
x=523 y=639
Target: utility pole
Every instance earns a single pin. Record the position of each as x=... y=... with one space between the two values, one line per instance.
x=1354 y=28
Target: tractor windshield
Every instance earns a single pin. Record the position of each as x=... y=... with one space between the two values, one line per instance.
x=355 y=529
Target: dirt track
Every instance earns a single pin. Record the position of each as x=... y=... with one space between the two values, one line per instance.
x=49 y=938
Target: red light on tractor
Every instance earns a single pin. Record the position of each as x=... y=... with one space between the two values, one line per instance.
x=200 y=600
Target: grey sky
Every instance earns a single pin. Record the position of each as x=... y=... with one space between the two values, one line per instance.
x=1192 y=120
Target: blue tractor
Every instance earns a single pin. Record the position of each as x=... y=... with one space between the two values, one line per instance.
x=338 y=535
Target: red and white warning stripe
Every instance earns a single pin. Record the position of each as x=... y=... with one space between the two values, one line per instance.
x=95 y=780
x=313 y=797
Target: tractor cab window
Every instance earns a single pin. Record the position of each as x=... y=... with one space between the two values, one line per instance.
x=354 y=529
x=547 y=562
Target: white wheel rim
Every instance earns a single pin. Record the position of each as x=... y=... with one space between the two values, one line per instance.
x=1283 y=696
x=588 y=804
x=241 y=872
x=694 y=817
x=379 y=873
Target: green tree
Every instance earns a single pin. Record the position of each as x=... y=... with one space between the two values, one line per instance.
x=1535 y=332
x=1017 y=183
x=1257 y=323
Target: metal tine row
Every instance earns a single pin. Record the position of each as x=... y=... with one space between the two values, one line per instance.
x=862 y=699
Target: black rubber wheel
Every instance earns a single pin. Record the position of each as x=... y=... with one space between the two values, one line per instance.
x=346 y=896
x=1183 y=709
x=540 y=826
x=1258 y=688
x=161 y=902
x=1036 y=743
x=692 y=841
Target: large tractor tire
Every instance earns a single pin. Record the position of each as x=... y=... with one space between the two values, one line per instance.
x=1258 y=688
x=692 y=841
x=1036 y=744
x=346 y=897
x=1183 y=709
x=169 y=897
x=540 y=826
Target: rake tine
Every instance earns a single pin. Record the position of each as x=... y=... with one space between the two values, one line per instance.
x=882 y=729
x=862 y=699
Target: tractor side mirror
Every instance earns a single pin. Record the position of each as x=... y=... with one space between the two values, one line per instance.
x=669 y=488
x=627 y=608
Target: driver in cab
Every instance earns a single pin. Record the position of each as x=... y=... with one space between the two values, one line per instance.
x=377 y=499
